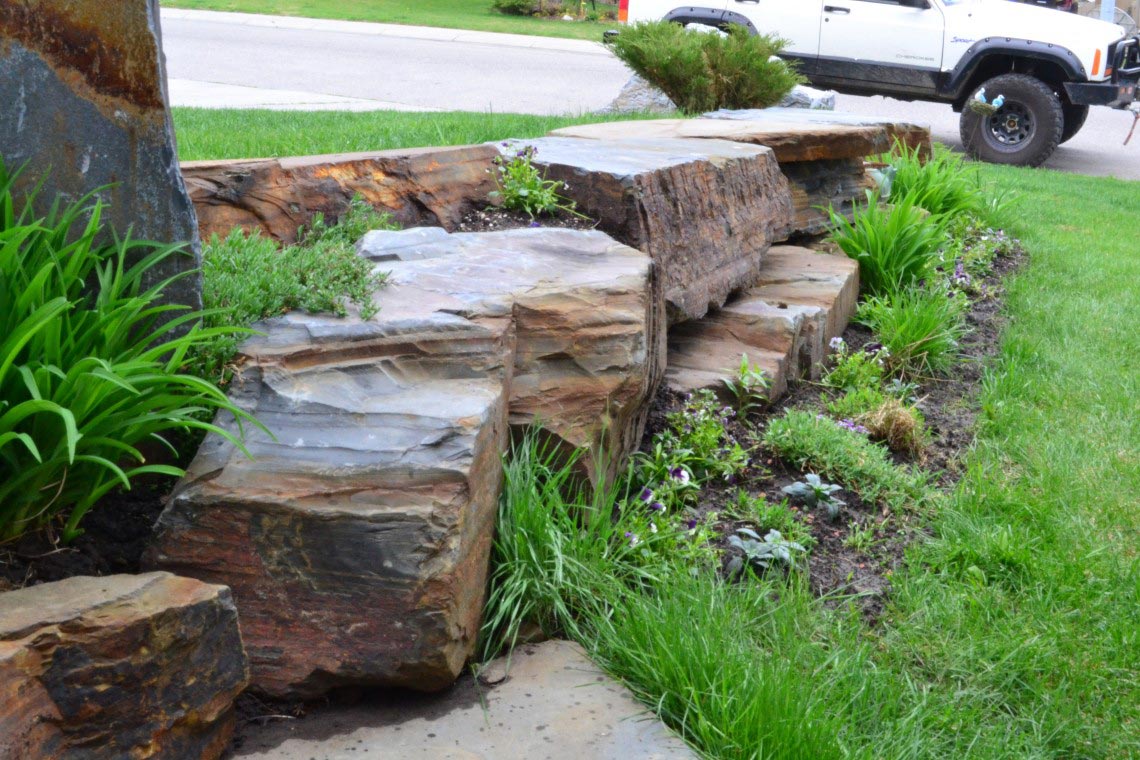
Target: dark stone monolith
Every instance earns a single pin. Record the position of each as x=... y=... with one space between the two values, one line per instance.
x=83 y=106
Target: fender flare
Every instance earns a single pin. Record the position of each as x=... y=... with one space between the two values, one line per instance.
x=717 y=17
x=1011 y=47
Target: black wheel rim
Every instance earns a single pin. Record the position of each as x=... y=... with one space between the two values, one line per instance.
x=1011 y=126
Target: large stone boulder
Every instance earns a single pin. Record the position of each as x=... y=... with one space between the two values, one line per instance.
x=588 y=317
x=434 y=186
x=125 y=666
x=914 y=135
x=822 y=157
x=705 y=210
x=83 y=105
x=356 y=540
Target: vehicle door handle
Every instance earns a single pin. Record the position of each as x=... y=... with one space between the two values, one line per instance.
x=836 y=9
x=753 y=2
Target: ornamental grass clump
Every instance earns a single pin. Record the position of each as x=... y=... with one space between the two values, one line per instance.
x=941 y=183
x=91 y=364
x=703 y=71
x=921 y=328
x=896 y=245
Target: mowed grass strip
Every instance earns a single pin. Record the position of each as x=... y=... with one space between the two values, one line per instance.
x=476 y=15
x=210 y=134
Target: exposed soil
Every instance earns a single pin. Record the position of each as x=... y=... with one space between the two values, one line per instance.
x=493 y=218
x=115 y=534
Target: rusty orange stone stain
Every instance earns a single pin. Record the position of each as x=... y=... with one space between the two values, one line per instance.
x=107 y=47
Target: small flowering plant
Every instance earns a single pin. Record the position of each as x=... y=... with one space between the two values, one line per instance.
x=521 y=187
x=856 y=369
x=697 y=438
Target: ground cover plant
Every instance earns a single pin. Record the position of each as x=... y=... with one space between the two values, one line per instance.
x=205 y=133
x=92 y=364
x=452 y=14
x=702 y=71
x=1012 y=623
x=248 y=277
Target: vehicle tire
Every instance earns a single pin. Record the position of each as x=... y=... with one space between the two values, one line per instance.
x=1023 y=132
x=1074 y=119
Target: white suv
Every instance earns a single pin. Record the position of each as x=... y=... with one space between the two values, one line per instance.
x=1049 y=67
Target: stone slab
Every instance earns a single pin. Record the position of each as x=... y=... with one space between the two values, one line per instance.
x=554 y=705
x=119 y=666
x=803 y=277
x=913 y=134
x=588 y=315
x=783 y=324
x=417 y=186
x=705 y=210
x=83 y=106
x=791 y=139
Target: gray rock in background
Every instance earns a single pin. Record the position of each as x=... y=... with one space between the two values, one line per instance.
x=639 y=96
x=83 y=105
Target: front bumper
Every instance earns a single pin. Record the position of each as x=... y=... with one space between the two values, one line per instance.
x=1121 y=89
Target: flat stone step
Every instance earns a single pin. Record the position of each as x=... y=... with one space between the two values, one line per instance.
x=705 y=210
x=554 y=704
x=783 y=324
x=356 y=540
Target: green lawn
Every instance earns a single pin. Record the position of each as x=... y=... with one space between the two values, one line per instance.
x=214 y=134
x=452 y=14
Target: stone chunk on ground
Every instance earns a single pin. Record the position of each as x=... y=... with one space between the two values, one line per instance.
x=119 y=666
x=705 y=210
x=554 y=704
x=783 y=324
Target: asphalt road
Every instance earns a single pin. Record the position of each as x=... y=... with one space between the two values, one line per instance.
x=235 y=60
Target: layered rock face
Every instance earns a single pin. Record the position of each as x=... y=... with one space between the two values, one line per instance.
x=83 y=105
x=356 y=541
x=783 y=324
x=434 y=186
x=705 y=210
x=820 y=153
x=116 y=667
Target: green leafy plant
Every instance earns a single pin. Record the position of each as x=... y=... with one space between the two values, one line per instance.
x=90 y=364
x=921 y=328
x=522 y=187
x=813 y=493
x=248 y=278
x=942 y=183
x=705 y=71
x=896 y=245
x=853 y=370
x=516 y=7
x=765 y=515
x=759 y=554
x=749 y=388
x=817 y=443
x=859 y=538
x=697 y=443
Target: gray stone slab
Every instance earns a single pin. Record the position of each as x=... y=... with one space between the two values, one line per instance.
x=554 y=704
x=412 y=244
x=83 y=106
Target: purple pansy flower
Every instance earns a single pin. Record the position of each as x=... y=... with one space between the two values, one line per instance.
x=646 y=494
x=679 y=473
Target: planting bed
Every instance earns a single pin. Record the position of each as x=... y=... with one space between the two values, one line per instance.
x=836 y=569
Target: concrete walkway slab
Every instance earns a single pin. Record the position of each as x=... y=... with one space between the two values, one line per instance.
x=554 y=705
x=189 y=93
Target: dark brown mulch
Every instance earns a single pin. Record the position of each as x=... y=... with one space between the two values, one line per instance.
x=493 y=218
x=115 y=534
